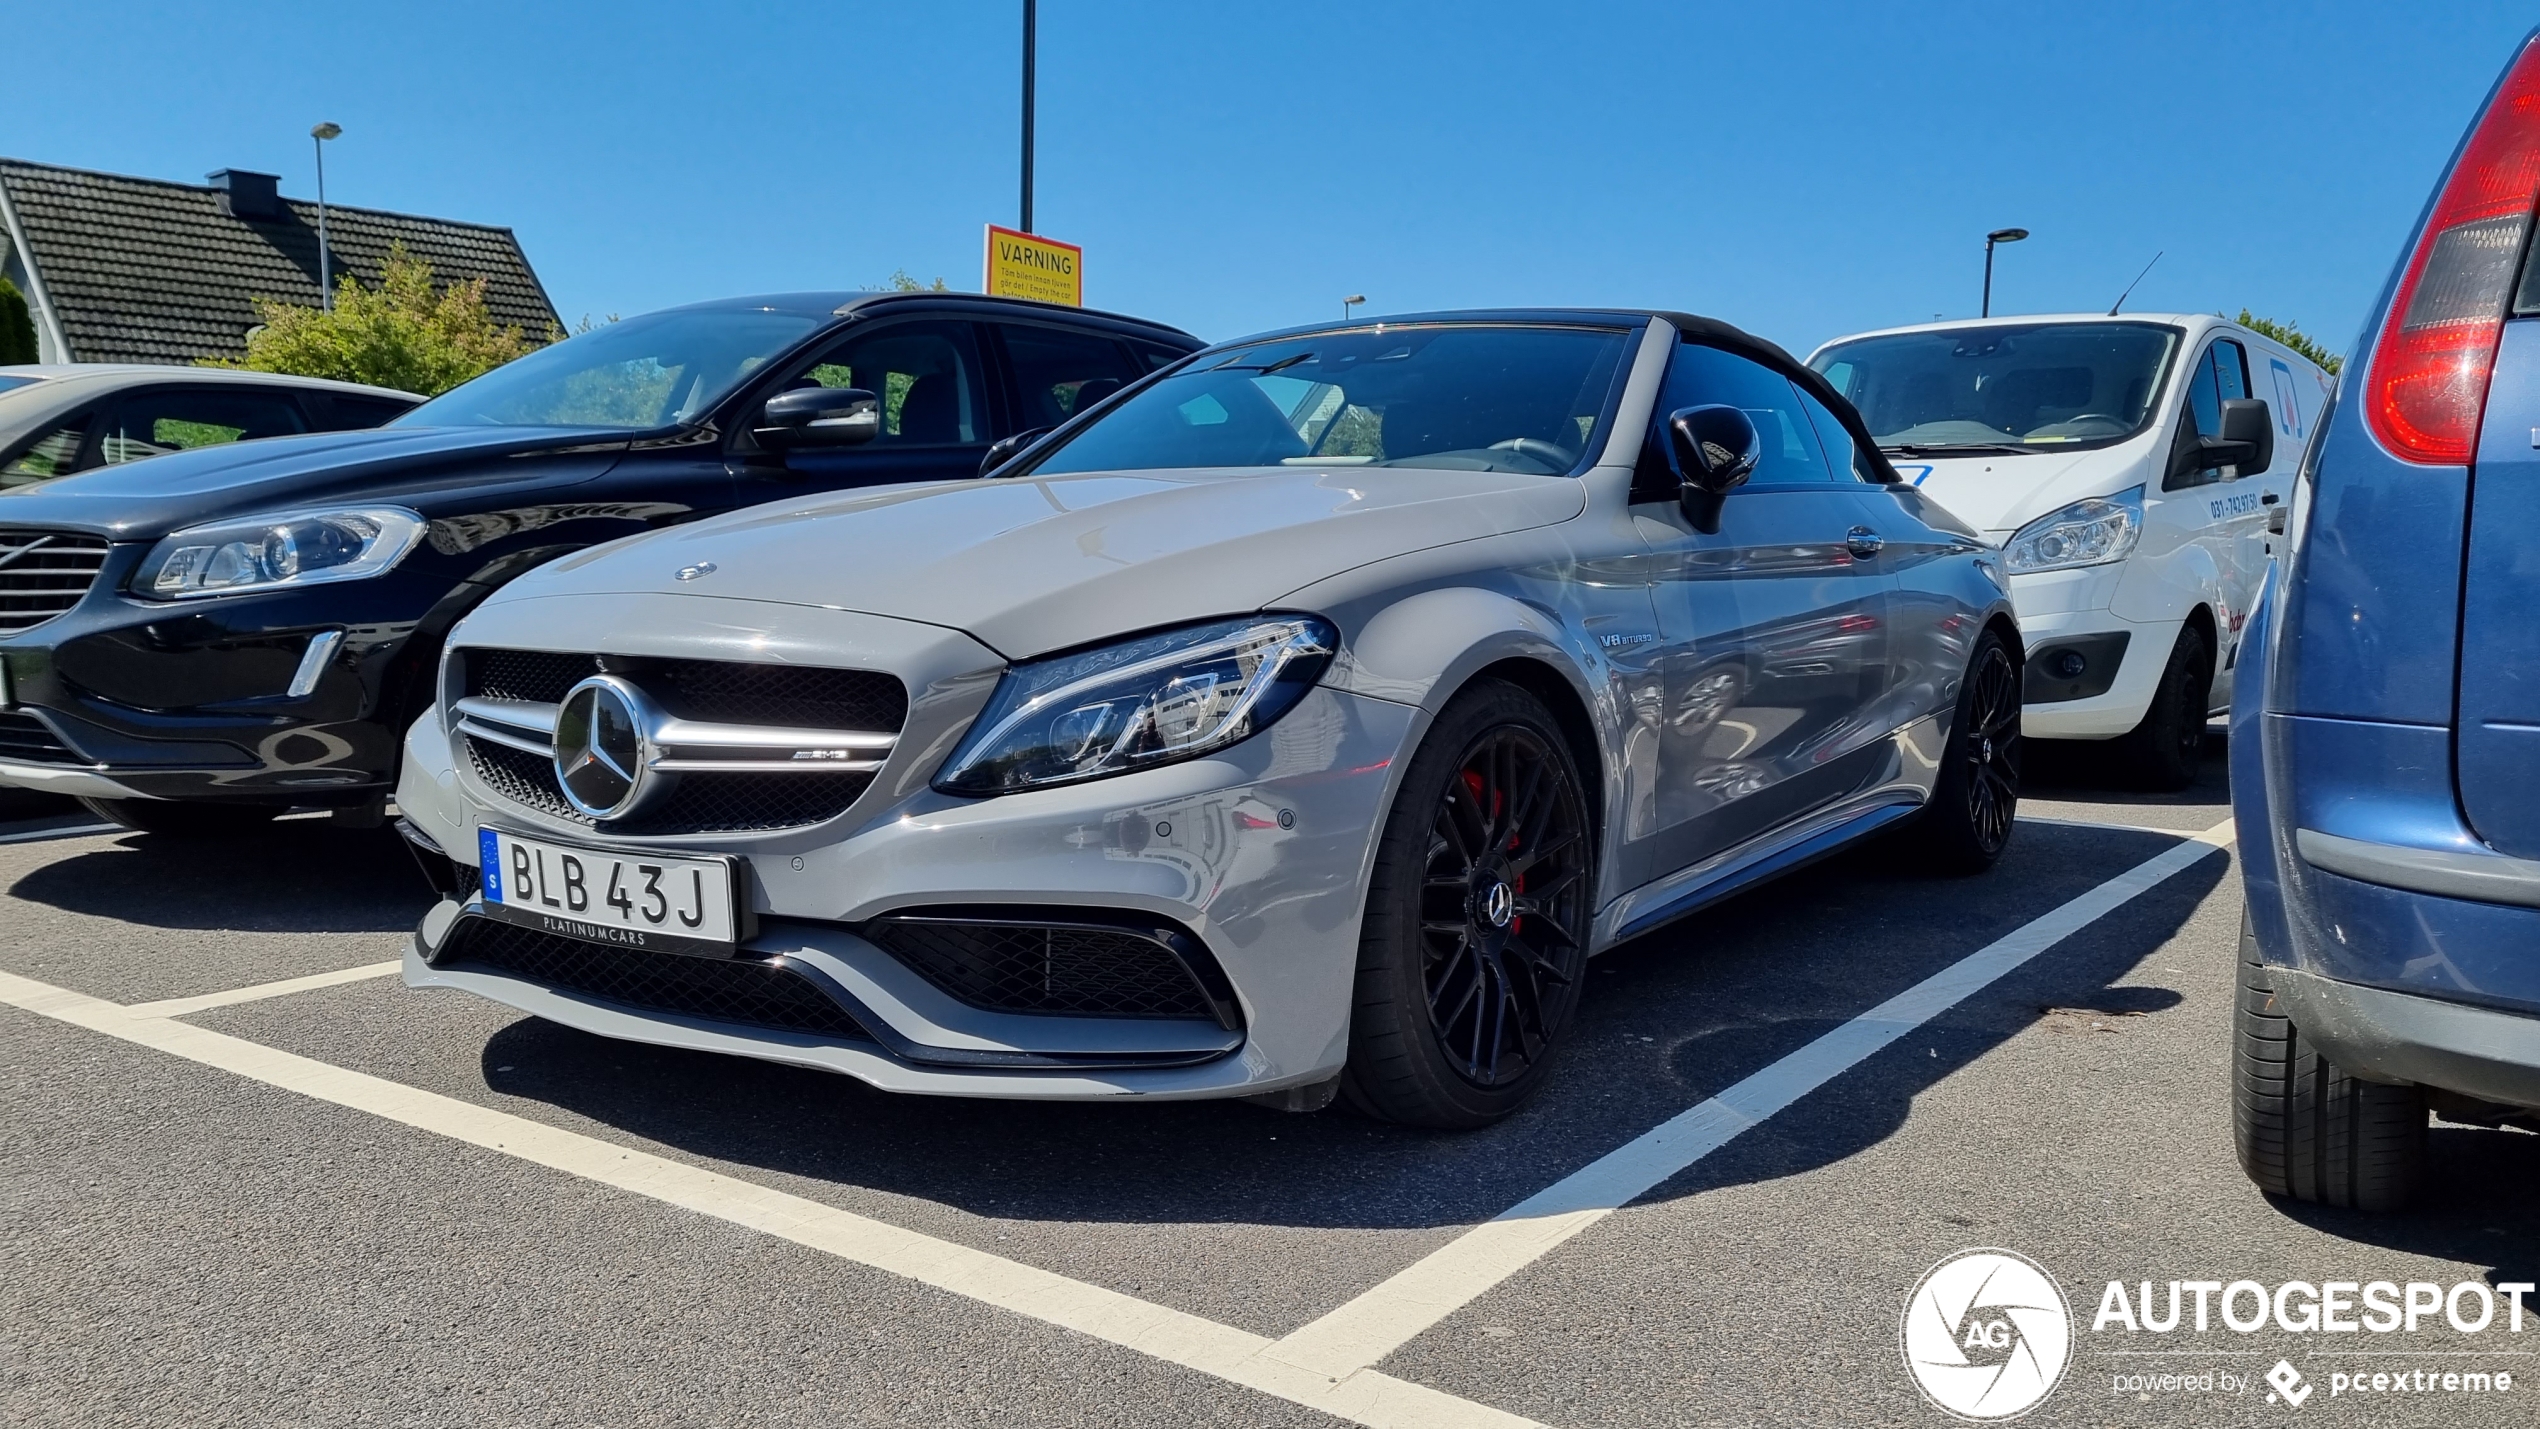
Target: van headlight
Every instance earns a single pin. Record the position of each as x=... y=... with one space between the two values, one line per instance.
x=283 y=549
x=2086 y=533
x=1142 y=702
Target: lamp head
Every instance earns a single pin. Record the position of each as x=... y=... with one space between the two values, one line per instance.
x=2006 y=235
x=327 y=130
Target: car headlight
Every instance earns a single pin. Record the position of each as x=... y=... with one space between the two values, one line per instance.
x=1139 y=703
x=285 y=548
x=2086 y=533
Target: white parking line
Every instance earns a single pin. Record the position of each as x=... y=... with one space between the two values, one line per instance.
x=1362 y=1395
x=28 y=836
x=1361 y=1333
x=184 y=1006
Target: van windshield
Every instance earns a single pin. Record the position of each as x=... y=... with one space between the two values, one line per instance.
x=2004 y=388
x=1477 y=396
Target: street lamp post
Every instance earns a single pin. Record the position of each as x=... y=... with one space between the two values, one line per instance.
x=1031 y=43
x=326 y=275
x=1353 y=300
x=1999 y=235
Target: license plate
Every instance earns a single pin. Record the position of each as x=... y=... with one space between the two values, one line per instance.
x=665 y=905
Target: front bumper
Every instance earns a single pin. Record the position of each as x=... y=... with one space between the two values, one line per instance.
x=1260 y=852
x=256 y=697
x=2121 y=705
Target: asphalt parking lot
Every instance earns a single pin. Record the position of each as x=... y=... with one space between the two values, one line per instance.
x=357 y=1204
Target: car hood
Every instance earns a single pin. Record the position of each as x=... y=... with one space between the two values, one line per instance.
x=1031 y=565
x=1999 y=494
x=148 y=499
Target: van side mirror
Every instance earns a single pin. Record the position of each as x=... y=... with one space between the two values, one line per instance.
x=1004 y=448
x=2247 y=443
x=819 y=417
x=1714 y=449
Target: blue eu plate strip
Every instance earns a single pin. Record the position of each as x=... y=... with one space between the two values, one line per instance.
x=489 y=862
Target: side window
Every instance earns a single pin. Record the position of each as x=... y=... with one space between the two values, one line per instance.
x=148 y=424
x=50 y=454
x=1843 y=455
x=1700 y=376
x=340 y=413
x=1156 y=358
x=2220 y=375
x=1059 y=373
x=927 y=375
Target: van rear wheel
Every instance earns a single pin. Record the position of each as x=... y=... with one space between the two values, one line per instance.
x=2306 y=1129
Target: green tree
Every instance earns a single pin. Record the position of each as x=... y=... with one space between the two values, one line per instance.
x=901 y=282
x=406 y=333
x=17 y=325
x=2293 y=337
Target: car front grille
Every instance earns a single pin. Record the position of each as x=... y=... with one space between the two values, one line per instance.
x=746 y=991
x=1067 y=969
x=721 y=691
x=701 y=804
x=26 y=739
x=44 y=573
x=505 y=695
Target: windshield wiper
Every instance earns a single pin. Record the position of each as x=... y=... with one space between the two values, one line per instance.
x=1955 y=448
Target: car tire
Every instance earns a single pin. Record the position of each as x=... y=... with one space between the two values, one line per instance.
x=187 y=820
x=2303 y=1127
x=1462 y=994
x=2166 y=751
x=1968 y=822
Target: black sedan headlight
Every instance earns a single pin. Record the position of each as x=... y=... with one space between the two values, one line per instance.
x=1142 y=702
x=278 y=551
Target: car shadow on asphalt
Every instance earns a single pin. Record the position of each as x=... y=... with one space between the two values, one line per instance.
x=2480 y=1204
x=1665 y=1021
x=2084 y=770
x=298 y=876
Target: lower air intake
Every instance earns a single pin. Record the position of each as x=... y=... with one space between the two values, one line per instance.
x=1065 y=969
x=738 y=990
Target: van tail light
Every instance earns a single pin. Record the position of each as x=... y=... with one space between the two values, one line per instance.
x=2427 y=386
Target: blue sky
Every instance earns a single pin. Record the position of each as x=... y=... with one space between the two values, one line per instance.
x=1802 y=170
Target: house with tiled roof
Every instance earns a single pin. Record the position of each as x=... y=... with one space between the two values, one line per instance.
x=120 y=269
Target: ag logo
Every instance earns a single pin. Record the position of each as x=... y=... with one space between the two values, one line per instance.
x=1986 y=1335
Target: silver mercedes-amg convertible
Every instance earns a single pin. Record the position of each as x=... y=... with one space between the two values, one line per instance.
x=1296 y=721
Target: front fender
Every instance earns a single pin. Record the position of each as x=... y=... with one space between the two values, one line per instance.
x=2167 y=587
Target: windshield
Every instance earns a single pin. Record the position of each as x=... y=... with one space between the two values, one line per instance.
x=654 y=371
x=8 y=382
x=1461 y=396
x=2003 y=388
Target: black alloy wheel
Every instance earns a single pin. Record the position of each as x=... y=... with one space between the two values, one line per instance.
x=1991 y=752
x=1976 y=799
x=1474 y=946
x=1503 y=925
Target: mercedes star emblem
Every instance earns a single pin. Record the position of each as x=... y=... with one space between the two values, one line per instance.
x=603 y=747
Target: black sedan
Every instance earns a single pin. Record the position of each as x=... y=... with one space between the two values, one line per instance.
x=206 y=640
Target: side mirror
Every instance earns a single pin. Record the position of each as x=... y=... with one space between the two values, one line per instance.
x=1714 y=449
x=819 y=417
x=1005 y=447
x=2247 y=443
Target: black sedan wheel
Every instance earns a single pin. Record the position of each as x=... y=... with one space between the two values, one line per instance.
x=1477 y=918
x=1968 y=822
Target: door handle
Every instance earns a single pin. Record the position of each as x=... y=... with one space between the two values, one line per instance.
x=1863 y=542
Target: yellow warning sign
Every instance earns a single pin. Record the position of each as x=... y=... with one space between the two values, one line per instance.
x=1024 y=265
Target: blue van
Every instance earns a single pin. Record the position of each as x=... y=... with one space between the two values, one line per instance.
x=2385 y=769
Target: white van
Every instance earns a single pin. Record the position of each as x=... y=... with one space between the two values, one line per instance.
x=2134 y=470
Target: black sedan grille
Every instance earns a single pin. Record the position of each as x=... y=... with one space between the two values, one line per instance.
x=44 y=573
x=699 y=804
x=1062 y=969
x=720 y=691
x=746 y=991
x=25 y=738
